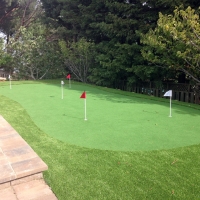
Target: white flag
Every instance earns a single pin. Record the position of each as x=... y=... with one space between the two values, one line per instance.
x=62 y=83
x=168 y=93
x=9 y=76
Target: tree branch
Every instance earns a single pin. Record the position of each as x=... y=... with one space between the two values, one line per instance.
x=186 y=72
x=8 y=13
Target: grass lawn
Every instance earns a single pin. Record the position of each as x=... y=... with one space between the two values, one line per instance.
x=127 y=149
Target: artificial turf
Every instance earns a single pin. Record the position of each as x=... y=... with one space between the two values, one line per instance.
x=81 y=173
x=116 y=121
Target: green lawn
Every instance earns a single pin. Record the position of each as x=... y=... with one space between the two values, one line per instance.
x=127 y=149
x=115 y=121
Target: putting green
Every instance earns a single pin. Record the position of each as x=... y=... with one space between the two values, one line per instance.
x=114 y=121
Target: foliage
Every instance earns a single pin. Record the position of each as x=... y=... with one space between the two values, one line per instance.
x=174 y=43
x=30 y=43
x=79 y=57
x=5 y=59
x=114 y=27
x=34 y=55
x=15 y=14
x=7 y=14
x=64 y=14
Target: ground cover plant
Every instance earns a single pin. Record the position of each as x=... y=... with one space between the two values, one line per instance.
x=78 y=171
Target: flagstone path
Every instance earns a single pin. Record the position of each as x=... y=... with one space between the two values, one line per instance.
x=20 y=168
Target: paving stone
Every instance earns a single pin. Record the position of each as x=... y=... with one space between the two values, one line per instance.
x=20 y=168
x=6 y=173
x=19 y=154
x=34 y=190
x=28 y=167
x=7 y=132
x=37 y=176
x=4 y=185
x=4 y=124
x=3 y=158
x=12 y=142
x=8 y=194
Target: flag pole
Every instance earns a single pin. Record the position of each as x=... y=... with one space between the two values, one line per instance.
x=169 y=94
x=62 y=83
x=83 y=96
x=10 y=82
x=170 y=107
x=69 y=77
x=62 y=90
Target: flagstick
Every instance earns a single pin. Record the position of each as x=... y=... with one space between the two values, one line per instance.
x=62 y=90
x=170 y=110
x=169 y=94
x=85 y=109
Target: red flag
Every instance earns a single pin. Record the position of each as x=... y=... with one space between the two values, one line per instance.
x=68 y=76
x=83 y=95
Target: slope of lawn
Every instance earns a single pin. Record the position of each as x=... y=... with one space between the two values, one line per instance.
x=77 y=172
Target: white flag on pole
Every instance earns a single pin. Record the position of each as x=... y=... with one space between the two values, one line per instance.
x=168 y=93
x=9 y=77
x=62 y=83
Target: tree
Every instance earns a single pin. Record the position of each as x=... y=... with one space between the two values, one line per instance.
x=5 y=59
x=7 y=8
x=65 y=17
x=15 y=13
x=175 y=42
x=117 y=38
x=79 y=57
x=114 y=27
x=33 y=54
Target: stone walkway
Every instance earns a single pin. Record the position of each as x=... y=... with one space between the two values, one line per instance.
x=20 y=168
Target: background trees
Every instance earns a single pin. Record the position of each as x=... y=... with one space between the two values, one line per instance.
x=174 y=43
x=113 y=29
x=30 y=43
x=78 y=57
x=4 y=57
x=34 y=56
x=15 y=13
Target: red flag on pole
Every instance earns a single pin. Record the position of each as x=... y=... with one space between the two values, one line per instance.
x=83 y=96
x=68 y=76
